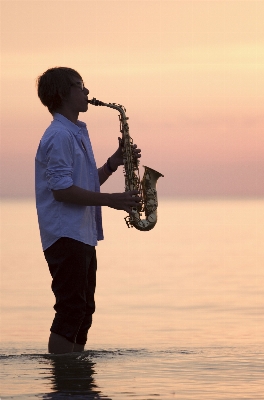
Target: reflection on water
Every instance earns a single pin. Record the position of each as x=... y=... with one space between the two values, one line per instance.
x=72 y=375
x=49 y=376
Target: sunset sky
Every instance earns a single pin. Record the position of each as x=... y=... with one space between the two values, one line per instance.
x=190 y=74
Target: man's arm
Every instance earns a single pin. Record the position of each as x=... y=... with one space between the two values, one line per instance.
x=119 y=201
x=107 y=169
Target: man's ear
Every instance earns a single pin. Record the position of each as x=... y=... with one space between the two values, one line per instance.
x=64 y=96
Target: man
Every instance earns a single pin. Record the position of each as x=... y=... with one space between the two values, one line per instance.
x=69 y=201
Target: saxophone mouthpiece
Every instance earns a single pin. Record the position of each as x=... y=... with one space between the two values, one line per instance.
x=95 y=102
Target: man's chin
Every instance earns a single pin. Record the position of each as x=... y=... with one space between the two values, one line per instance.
x=84 y=109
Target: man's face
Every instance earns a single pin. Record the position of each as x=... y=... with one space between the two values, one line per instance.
x=77 y=100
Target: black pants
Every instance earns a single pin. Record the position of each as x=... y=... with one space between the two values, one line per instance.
x=73 y=266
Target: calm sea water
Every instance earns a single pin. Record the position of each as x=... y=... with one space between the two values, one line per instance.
x=179 y=309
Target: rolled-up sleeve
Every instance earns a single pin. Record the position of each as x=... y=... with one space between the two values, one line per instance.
x=59 y=161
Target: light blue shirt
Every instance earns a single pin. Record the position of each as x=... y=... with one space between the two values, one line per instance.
x=65 y=158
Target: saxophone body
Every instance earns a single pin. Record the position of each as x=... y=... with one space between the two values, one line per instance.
x=146 y=186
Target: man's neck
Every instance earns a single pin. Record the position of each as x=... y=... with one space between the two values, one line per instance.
x=69 y=114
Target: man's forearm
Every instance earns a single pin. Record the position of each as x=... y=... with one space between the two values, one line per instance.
x=120 y=201
x=82 y=197
x=107 y=169
x=103 y=174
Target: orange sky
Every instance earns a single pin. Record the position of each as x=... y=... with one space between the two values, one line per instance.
x=190 y=74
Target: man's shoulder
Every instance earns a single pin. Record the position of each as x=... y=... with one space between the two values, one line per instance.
x=56 y=130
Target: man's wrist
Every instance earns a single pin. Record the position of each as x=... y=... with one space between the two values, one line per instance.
x=109 y=166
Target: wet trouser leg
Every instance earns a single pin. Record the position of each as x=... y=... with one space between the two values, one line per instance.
x=73 y=266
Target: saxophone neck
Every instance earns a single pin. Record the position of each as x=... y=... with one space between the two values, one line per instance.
x=117 y=107
x=96 y=102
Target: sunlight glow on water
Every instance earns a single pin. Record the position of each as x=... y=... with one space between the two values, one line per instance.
x=204 y=373
x=179 y=309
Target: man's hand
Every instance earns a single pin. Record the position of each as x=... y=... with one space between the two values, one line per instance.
x=117 y=158
x=125 y=201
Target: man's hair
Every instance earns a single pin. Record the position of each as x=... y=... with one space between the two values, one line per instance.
x=54 y=84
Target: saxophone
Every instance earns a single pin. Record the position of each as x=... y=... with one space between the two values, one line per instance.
x=146 y=187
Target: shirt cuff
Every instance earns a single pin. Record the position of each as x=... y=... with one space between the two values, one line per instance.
x=60 y=182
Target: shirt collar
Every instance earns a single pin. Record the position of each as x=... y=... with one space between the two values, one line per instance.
x=65 y=121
